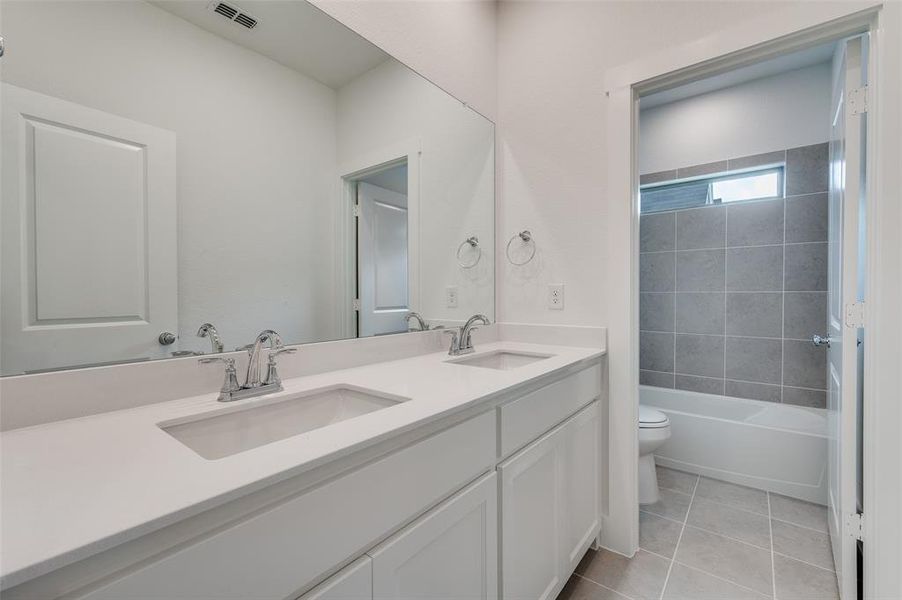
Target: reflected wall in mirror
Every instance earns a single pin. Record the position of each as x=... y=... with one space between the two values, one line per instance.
x=252 y=165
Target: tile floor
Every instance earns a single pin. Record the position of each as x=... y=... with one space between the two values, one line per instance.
x=710 y=540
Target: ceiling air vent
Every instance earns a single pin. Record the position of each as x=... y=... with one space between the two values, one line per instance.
x=234 y=14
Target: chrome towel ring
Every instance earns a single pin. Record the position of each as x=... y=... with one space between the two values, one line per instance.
x=473 y=243
x=526 y=239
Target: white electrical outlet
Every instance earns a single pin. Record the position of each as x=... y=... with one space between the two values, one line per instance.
x=556 y=296
x=451 y=296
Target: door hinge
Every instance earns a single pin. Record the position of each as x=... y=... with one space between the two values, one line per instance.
x=357 y=304
x=356 y=210
x=855 y=526
x=858 y=100
x=855 y=315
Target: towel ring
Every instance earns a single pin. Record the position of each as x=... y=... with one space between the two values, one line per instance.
x=526 y=237
x=472 y=242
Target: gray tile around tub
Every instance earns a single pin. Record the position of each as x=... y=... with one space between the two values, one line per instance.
x=656 y=311
x=755 y=223
x=798 y=512
x=735 y=523
x=656 y=272
x=806 y=267
x=656 y=351
x=658 y=535
x=758 y=314
x=700 y=271
x=699 y=312
x=806 y=218
x=752 y=359
x=797 y=581
x=700 y=228
x=686 y=583
x=758 y=160
x=803 y=397
x=699 y=355
x=804 y=365
x=805 y=313
x=664 y=380
x=657 y=177
x=755 y=269
x=671 y=505
x=640 y=577
x=753 y=391
x=657 y=232
x=679 y=481
x=705 y=169
x=705 y=385
x=807 y=169
x=731 y=494
x=741 y=563
x=802 y=543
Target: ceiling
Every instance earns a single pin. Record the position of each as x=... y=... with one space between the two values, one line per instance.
x=293 y=33
x=394 y=179
x=767 y=68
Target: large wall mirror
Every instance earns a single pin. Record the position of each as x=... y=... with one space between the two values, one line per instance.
x=251 y=164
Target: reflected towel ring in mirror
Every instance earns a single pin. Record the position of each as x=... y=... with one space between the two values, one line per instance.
x=472 y=242
x=527 y=240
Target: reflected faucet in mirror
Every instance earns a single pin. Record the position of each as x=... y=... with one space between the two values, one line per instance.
x=208 y=330
x=254 y=385
x=421 y=322
x=461 y=339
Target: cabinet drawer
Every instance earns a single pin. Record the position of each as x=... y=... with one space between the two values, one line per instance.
x=526 y=418
x=279 y=552
x=354 y=582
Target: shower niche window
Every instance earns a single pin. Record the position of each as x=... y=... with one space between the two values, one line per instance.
x=737 y=186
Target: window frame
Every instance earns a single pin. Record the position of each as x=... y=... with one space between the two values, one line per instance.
x=778 y=168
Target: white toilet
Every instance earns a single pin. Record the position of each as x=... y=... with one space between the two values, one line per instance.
x=654 y=430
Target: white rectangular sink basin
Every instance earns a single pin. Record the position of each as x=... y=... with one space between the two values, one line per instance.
x=228 y=432
x=503 y=360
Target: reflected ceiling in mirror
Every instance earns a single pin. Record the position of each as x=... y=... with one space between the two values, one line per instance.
x=252 y=165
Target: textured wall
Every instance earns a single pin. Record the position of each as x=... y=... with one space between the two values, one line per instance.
x=731 y=294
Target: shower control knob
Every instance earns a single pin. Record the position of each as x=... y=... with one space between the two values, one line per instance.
x=818 y=340
x=166 y=338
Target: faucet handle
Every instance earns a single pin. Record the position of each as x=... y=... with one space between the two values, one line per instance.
x=455 y=340
x=279 y=351
x=272 y=368
x=230 y=383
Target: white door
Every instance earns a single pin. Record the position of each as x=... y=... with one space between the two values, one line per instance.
x=846 y=182
x=451 y=553
x=89 y=235
x=579 y=463
x=354 y=582
x=382 y=260
x=531 y=522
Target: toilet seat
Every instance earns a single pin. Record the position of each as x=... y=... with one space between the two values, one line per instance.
x=651 y=418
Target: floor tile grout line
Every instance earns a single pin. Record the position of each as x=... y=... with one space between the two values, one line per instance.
x=800 y=526
x=590 y=580
x=722 y=578
x=727 y=537
x=680 y=538
x=804 y=562
x=770 y=529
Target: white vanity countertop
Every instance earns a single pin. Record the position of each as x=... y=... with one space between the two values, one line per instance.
x=73 y=488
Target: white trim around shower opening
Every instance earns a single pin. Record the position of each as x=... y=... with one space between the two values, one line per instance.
x=793 y=28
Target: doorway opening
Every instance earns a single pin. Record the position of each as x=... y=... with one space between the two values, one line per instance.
x=751 y=274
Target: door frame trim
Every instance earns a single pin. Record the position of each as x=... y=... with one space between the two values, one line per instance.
x=344 y=226
x=788 y=29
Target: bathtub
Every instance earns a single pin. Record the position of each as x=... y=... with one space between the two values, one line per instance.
x=775 y=447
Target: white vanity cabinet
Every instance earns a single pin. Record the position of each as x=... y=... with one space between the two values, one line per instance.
x=549 y=508
x=451 y=552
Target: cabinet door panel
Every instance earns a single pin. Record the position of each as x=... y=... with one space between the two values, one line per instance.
x=451 y=553
x=354 y=582
x=579 y=452
x=530 y=514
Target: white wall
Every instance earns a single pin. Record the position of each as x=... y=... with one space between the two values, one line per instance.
x=390 y=105
x=250 y=235
x=787 y=110
x=451 y=42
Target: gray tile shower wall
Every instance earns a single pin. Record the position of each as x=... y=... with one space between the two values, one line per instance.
x=731 y=294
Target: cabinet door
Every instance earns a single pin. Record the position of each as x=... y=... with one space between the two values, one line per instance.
x=530 y=521
x=354 y=582
x=579 y=464
x=451 y=553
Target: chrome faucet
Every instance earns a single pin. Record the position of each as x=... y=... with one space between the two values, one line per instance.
x=420 y=321
x=461 y=339
x=254 y=384
x=208 y=330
